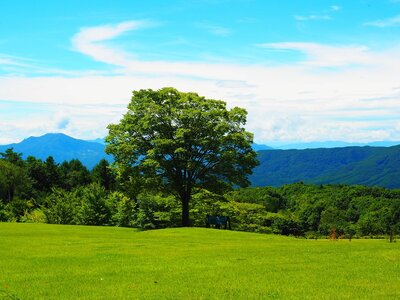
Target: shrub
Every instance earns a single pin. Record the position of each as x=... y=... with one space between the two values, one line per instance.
x=35 y=216
x=123 y=210
x=92 y=209
x=60 y=207
x=5 y=214
x=157 y=211
x=17 y=208
x=206 y=203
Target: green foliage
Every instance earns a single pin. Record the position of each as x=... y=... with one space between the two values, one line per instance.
x=12 y=157
x=5 y=214
x=14 y=182
x=60 y=207
x=313 y=210
x=74 y=174
x=205 y=203
x=35 y=191
x=104 y=175
x=183 y=142
x=18 y=207
x=123 y=209
x=35 y=216
x=157 y=211
x=53 y=174
x=266 y=196
x=36 y=171
x=92 y=208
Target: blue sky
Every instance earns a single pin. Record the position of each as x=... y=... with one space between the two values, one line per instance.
x=304 y=70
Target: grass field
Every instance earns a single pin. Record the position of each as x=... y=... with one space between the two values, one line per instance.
x=39 y=261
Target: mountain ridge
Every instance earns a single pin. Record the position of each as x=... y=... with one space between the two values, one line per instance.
x=366 y=165
x=371 y=166
x=62 y=147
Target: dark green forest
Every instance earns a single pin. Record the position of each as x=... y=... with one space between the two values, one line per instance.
x=33 y=190
x=370 y=166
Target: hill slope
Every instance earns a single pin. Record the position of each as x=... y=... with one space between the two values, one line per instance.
x=62 y=147
x=350 y=165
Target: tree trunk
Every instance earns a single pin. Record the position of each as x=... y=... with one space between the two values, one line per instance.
x=391 y=235
x=185 y=197
x=10 y=194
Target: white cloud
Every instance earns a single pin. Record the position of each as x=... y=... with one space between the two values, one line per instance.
x=87 y=40
x=320 y=55
x=389 y=22
x=313 y=99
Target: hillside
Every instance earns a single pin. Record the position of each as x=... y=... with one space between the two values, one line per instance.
x=62 y=147
x=370 y=166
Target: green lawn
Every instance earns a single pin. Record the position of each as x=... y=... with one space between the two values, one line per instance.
x=39 y=261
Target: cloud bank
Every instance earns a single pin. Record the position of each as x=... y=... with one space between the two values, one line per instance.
x=336 y=92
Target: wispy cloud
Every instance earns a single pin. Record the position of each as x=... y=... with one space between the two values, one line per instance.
x=313 y=17
x=13 y=61
x=215 y=29
x=273 y=95
x=87 y=40
x=324 y=15
x=327 y=56
x=389 y=22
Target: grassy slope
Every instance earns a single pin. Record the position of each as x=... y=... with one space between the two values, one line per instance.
x=39 y=261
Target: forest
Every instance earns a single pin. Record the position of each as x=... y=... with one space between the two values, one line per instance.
x=33 y=190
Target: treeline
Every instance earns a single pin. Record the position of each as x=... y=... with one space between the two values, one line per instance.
x=314 y=210
x=33 y=190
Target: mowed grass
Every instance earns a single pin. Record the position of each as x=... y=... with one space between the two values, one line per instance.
x=40 y=261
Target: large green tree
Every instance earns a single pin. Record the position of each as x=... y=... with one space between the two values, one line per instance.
x=181 y=142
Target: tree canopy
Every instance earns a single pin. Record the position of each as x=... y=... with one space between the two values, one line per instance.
x=182 y=141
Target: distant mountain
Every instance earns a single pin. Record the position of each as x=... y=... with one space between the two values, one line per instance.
x=372 y=166
x=258 y=147
x=62 y=147
x=335 y=144
x=98 y=140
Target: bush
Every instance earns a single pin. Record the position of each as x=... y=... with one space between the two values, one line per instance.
x=206 y=203
x=35 y=216
x=5 y=214
x=92 y=209
x=285 y=224
x=157 y=211
x=17 y=208
x=60 y=207
x=122 y=209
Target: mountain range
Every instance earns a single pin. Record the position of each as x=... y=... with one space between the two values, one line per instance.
x=372 y=166
x=62 y=147
x=334 y=144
